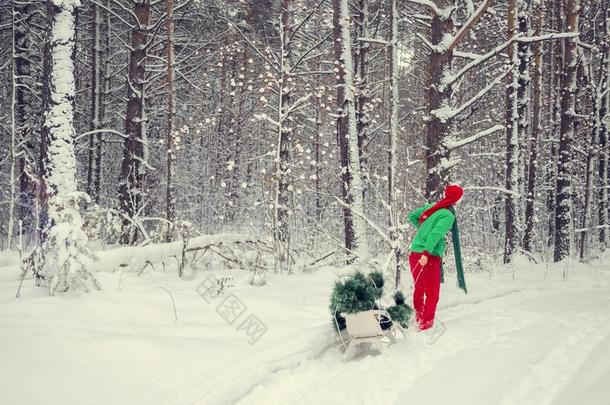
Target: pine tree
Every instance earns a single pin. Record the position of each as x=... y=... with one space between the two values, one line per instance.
x=564 y=210
x=134 y=165
x=68 y=261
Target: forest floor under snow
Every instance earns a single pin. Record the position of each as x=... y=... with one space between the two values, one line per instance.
x=534 y=339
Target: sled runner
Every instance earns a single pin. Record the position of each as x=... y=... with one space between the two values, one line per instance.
x=366 y=327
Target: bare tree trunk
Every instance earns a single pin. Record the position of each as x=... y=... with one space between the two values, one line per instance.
x=512 y=139
x=393 y=141
x=599 y=87
x=589 y=167
x=353 y=211
x=104 y=91
x=283 y=192
x=563 y=213
x=317 y=144
x=441 y=80
x=12 y=152
x=557 y=21
x=318 y=129
x=438 y=98
x=523 y=120
x=603 y=125
x=97 y=104
x=530 y=214
x=23 y=13
x=170 y=195
x=133 y=167
x=41 y=188
x=362 y=84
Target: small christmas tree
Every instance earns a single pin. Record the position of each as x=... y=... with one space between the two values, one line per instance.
x=362 y=292
x=400 y=311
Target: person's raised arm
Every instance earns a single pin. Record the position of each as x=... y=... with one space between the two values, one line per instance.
x=414 y=215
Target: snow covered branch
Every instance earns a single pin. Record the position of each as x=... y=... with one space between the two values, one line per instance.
x=449 y=80
x=447 y=113
x=254 y=48
x=546 y=37
x=471 y=22
x=490 y=188
x=373 y=225
x=426 y=42
x=159 y=252
x=107 y=131
x=374 y=41
x=430 y=5
x=452 y=143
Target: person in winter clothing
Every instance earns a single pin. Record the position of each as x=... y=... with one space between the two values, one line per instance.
x=432 y=221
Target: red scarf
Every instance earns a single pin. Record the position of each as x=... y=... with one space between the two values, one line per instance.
x=453 y=193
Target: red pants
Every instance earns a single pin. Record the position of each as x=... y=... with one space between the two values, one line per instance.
x=427 y=287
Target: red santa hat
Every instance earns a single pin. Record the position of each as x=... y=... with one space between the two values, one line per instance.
x=453 y=194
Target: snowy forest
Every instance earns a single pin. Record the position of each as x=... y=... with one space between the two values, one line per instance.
x=267 y=141
x=306 y=123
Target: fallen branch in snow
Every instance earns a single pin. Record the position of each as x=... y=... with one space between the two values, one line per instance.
x=528 y=254
x=161 y=252
x=324 y=257
x=173 y=302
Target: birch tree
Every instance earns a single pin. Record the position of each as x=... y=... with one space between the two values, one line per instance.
x=393 y=142
x=12 y=147
x=347 y=134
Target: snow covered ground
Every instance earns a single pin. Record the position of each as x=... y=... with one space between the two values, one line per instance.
x=533 y=340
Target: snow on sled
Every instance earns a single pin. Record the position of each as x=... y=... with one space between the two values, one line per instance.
x=367 y=327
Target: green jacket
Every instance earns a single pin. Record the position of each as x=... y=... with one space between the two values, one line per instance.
x=431 y=233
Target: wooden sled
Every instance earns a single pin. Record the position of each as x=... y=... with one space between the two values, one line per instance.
x=365 y=327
